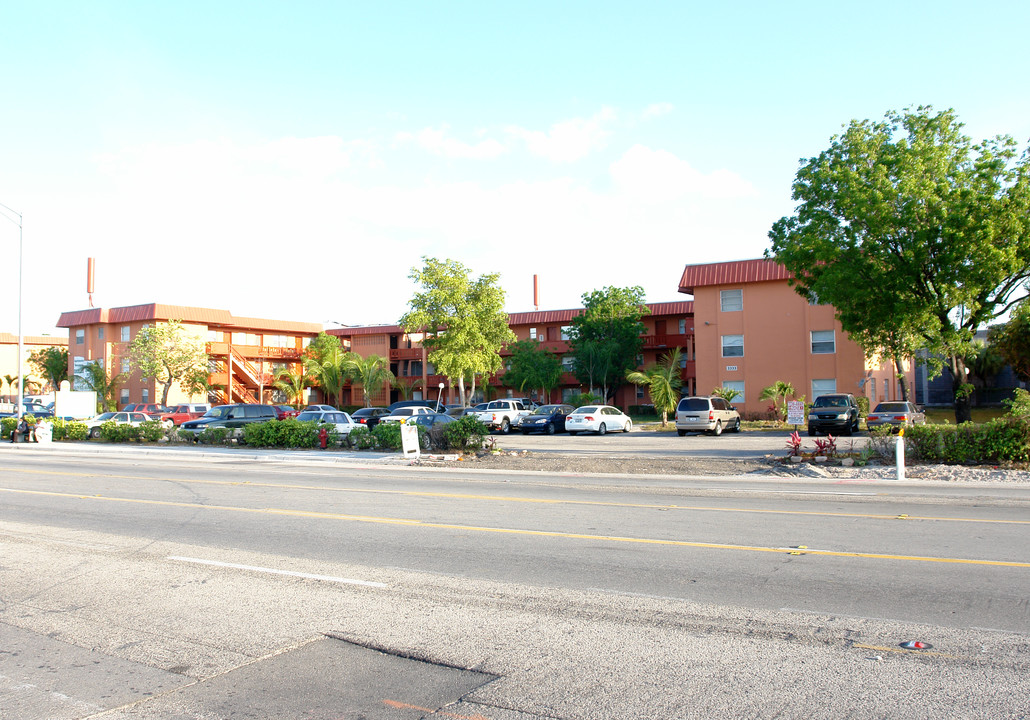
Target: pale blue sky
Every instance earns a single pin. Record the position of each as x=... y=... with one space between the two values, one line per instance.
x=296 y=160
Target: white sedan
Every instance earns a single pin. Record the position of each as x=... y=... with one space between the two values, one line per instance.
x=337 y=418
x=597 y=418
x=121 y=418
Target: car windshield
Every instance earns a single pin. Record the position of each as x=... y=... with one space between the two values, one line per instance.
x=217 y=412
x=830 y=402
x=891 y=408
x=585 y=410
x=546 y=410
x=105 y=416
x=305 y=416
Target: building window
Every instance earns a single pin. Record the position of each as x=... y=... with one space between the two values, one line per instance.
x=146 y=395
x=823 y=342
x=123 y=396
x=886 y=389
x=738 y=386
x=872 y=392
x=733 y=346
x=640 y=392
x=126 y=333
x=80 y=336
x=532 y=333
x=125 y=365
x=566 y=362
x=100 y=333
x=683 y=326
x=566 y=332
x=731 y=300
x=823 y=387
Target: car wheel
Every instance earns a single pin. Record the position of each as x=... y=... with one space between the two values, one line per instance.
x=94 y=433
x=602 y=429
x=847 y=430
x=550 y=428
x=812 y=432
x=736 y=426
x=573 y=432
x=681 y=433
x=628 y=427
x=718 y=428
x=505 y=426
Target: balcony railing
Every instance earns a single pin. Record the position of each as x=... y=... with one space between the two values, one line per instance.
x=255 y=351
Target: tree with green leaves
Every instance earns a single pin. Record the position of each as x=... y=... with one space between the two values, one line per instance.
x=326 y=361
x=406 y=386
x=463 y=320
x=371 y=372
x=52 y=364
x=663 y=382
x=1012 y=340
x=292 y=384
x=915 y=235
x=778 y=392
x=170 y=353
x=530 y=366
x=605 y=339
x=94 y=377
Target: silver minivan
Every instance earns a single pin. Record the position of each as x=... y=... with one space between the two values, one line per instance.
x=706 y=414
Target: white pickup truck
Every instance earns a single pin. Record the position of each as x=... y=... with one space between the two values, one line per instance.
x=503 y=414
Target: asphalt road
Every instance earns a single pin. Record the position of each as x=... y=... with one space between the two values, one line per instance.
x=266 y=582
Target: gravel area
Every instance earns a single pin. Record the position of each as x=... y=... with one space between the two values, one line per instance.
x=525 y=461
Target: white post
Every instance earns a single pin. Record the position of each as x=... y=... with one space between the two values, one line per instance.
x=899 y=454
x=21 y=338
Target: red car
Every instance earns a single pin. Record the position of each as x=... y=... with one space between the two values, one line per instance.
x=285 y=411
x=179 y=414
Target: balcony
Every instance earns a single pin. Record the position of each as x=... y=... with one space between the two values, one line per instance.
x=652 y=342
x=221 y=349
x=397 y=354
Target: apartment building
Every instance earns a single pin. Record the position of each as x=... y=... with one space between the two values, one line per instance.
x=752 y=329
x=245 y=353
x=9 y=362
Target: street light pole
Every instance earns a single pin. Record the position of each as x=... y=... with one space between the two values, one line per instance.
x=21 y=338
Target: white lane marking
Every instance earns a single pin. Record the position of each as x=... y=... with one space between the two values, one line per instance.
x=273 y=571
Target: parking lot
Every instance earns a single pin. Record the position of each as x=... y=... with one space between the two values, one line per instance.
x=647 y=443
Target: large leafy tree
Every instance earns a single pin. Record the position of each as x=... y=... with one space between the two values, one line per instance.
x=169 y=353
x=1011 y=340
x=94 y=377
x=530 y=366
x=52 y=364
x=663 y=382
x=326 y=361
x=605 y=339
x=371 y=372
x=463 y=320
x=914 y=234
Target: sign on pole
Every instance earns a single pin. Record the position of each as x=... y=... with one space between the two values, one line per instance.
x=795 y=412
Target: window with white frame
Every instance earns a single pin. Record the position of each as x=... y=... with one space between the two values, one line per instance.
x=824 y=387
x=532 y=334
x=731 y=300
x=683 y=326
x=738 y=386
x=126 y=333
x=126 y=367
x=146 y=395
x=80 y=336
x=823 y=342
x=566 y=362
x=123 y=396
x=100 y=333
x=733 y=346
x=886 y=389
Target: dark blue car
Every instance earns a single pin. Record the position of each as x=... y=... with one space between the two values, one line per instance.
x=546 y=419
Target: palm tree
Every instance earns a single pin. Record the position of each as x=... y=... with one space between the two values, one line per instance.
x=329 y=368
x=372 y=373
x=406 y=386
x=292 y=384
x=96 y=379
x=663 y=382
x=778 y=392
x=11 y=380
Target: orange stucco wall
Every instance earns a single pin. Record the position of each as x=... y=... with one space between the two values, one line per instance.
x=776 y=324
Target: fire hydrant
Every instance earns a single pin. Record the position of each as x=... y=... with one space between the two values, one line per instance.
x=323 y=438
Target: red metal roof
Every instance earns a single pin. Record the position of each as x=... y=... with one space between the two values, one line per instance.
x=731 y=273
x=50 y=340
x=159 y=311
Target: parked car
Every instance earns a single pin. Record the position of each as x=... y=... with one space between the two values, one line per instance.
x=369 y=416
x=430 y=419
x=319 y=408
x=34 y=409
x=337 y=418
x=284 y=412
x=502 y=415
x=120 y=418
x=153 y=410
x=546 y=418
x=403 y=414
x=597 y=418
x=179 y=414
x=230 y=416
x=837 y=412
x=710 y=414
x=431 y=404
x=895 y=414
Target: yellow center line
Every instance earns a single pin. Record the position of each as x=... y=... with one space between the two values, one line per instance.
x=517 y=531
x=531 y=500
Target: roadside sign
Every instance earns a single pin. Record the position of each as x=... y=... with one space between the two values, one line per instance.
x=409 y=441
x=795 y=412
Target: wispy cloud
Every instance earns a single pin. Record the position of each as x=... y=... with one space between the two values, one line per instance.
x=569 y=140
x=437 y=142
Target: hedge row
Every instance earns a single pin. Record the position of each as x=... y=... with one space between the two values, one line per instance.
x=1005 y=439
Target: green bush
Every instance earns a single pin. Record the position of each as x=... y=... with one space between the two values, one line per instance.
x=1019 y=405
x=387 y=435
x=73 y=430
x=289 y=433
x=863 y=406
x=214 y=436
x=362 y=438
x=1004 y=439
x=8 y=426
x=465 y=434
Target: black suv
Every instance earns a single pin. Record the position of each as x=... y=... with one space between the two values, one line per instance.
x=230 y=416
x=833 y=413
